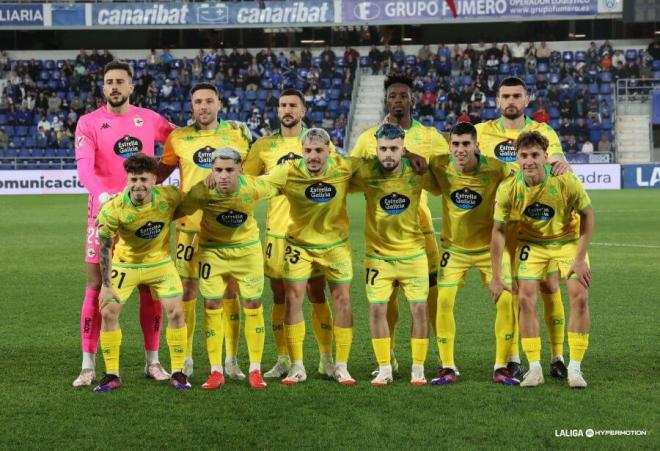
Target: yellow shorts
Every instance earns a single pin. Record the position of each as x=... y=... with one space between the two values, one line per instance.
x=411 y=274
x=454 y=265
x=187 y=255
x=243 y=264
x=535 y=261
x=334 y=263
x=162 y=278
x=274 y=258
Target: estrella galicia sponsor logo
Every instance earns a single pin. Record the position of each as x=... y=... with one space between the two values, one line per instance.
x=320 y=192
x=128 y=146
x=394 y=203
x=540 y=212
x=232 y=218
x=208 y=13
x=288 y=157
x=466 y=199
x=506 y=151
x=202 y=157
x=150 y=230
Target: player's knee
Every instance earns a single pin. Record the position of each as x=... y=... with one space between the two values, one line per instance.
x=527 y=302
x=550 y=285
x=252 y=304
x=316 y=291
x=189 y=289
x=175 y=313
x=279 y=293
x=230 y=291
x=580 y=303
x=109 y=315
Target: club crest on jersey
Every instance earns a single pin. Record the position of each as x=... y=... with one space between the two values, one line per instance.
x=394 y=203
x=540 y=212
x=128 y=146
x=202 y=157
x=465 y=199
x=506 y=151
x=288 y=157
x=138 y=121
x=320 y=192
x=232 y=218
x=150 y=230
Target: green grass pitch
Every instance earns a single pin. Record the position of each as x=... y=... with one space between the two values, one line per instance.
x=42 y=286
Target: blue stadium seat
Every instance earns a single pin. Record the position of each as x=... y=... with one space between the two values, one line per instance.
x=250 y=96
x=262 y=94
x=529 y=111
x=440 y=115
x=9 y=130
x=631 y=55
x=439 y=125
x=3 y=118
x=11 y=153
x=605 y=88
x=567 y=56
x=410 y=60
x=593 y=88
x=505 y=69
x=316 y=61
x=364 y=61
x=530 y=79
x=49 y=64
x=606 y=124
x=326 y=83
x=580 y=56
x=555 y=124
x=333 y=105
x=594 y=135
x=655 y=66
x=553 y=112
x=605 y=77
x=334 y=94
x=340 y=61
x=543 y=68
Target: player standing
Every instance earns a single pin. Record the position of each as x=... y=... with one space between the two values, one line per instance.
x=395 y=247
x=468 y=182
x=190 y=149
x=104 y=139
x=266 y=153
x=141 y=218
x=423 y=141
x=556 y=224
x=496 y=138
x=231 y=250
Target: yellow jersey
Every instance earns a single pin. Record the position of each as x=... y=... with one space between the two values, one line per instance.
x=392 y=217
x=467 y=201
x=421 y=140
x=318 y=217
x=228 y=219
x=497 y=142
x=190 y=148
x=144 y=230
x=548 y=212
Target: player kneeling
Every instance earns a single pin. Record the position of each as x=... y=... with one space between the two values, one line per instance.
x=141 y=217
x=231 y=250
x=395 y=253
x=556 y=223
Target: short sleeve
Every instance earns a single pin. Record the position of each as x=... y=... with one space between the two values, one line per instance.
x=264 y=189
x=554 y=145
x=360 y=149
x=253 y=164
x=581 y=198
x=278 y=175
x=169 y=157
x=162 y=128
x=85 y=141
x=192 y=200
x=502 y=211
x=439 y=145
x=107 y=222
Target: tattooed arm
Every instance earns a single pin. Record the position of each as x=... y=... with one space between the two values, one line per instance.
x=108 y=293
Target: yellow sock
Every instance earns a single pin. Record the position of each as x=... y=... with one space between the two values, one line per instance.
x=176 y=341
x=419 y=347
x=232 y=310
x=445 y=328
x=255 y=333
x=532 y=348
x=110 y=344
x=503 y=328
x=514 y=351
x=577 y=345
x=393 y=315
x=277 y=321
x=215 y=333
x=382 y=350
x=343 y=341
x=322 y=325
x=189 y=309
x=432 y=306
x=553 y=314
x=295 y=338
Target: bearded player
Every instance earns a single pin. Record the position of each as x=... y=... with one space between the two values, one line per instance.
x=420 y=140
x=190 y=149
x=104 y=139
x=496 y=138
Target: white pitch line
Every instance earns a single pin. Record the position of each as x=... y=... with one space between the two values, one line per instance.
x=628 y=211
x=644 y=246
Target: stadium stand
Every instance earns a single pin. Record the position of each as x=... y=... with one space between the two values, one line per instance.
x=572 y=90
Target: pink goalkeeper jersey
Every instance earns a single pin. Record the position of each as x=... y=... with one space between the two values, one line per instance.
x=104 y=140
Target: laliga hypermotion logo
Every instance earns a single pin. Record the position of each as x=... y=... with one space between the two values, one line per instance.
x=371 y=10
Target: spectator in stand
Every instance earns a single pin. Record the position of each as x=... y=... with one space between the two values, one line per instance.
x=4 y=103
x=580 y=108
x=605 y=48
x=252 y=81
x=541 y=115
x=399 y=55
x=4 y=61
x=386 y=57
x=327 y=66
x=197 y=68
x=477 y=100
x=617 y=57
x=427 y=102
x=571 y=145
x=184 y=77
x=23 y=116
x=41 y=140
x=592 y=57
x=605 y=62
x=374 y=60
x=351 y=51
x=493 y=50
x=320 y=100
x=587 y=147
x=327 y=122
x=340 y=122
x=254 y=121
x=632 y=70
x=530 y=51
x=77 y=105
x=604 y=144
x=618 y=72
x=581 y=131
x=565 y=129
x=167 y=89
x=306 y=58
x=463 y=117
x=29 y=101
x=543 y=53
x=152 y=59
x=492 y=65
x=653 y=50
x=166 y=60
x=518 y=53
x=328 y=51
x=424 y=57
x=82 y=58
x=245 y=59
x=506 y=54
x=644 y=68
x=4 y=139
x=480 y=51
